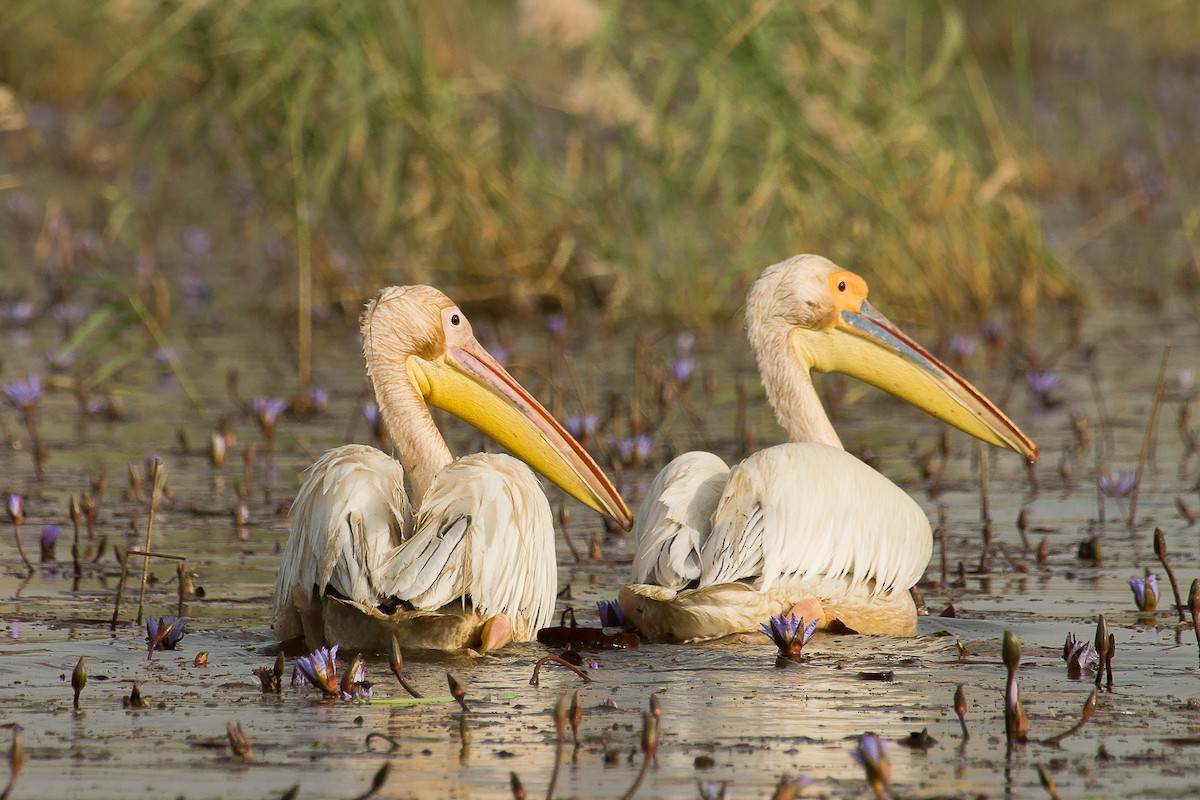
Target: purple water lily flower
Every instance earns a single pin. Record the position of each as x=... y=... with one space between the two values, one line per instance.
x=684 y=343
x=714 y=790
x=556 y=325
x=370 y=413
x=1117 y=484
x=24 y=395
x=319 y=669
x=268 y=410
x=1080 y=656
x=165 y=356
x=21 y=313
x=499 y=352
x=871 y=753
x=16 y=508
x=164 y=633
x=88 y=244
x=1145 y=592
x=581 y=427
x=1043 y=384
x=789 y=634
x=611 y=614
x=992 y=332
x=50 y=534
x=961 y=347
x=635 y=449
x=197 y=240
x=319 y=397
x=682 y=370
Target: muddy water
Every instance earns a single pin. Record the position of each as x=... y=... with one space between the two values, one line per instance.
x=728 y=713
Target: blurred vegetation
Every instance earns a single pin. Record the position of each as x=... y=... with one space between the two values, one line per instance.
x=643 y=158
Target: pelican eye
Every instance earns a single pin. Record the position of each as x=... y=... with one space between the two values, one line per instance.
x=841 y=286
x=454 y=320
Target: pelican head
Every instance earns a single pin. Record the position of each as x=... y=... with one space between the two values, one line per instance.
x=418 y=334
x=822 y=311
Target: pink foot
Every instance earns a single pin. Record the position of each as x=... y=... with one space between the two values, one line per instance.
x=496 y=633
x=808 y=610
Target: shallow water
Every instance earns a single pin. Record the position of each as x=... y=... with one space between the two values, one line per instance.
x=724 y=701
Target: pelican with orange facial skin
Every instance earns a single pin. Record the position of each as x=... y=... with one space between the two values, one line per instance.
x=803 y=527
x=468 y=559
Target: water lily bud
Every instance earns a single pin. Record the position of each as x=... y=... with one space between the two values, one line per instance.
x=1194 y=597
x=216 y=449
x=1160 y=543
x=560 y=713
x=518 y=788
x=1102 y=636
x=158 y=474
x=1011 y=651
x=655 y=707
x=74 y=512
x=1089 y=706
x=457 y=692
x=960 y=701
x=79 y=679
x=16 y=754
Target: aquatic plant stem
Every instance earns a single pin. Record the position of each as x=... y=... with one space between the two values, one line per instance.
x=1016 y=725
x=984 y=513
x=1160 y=550
x=564 y=520
x=1194 y=608
x=16 y=760
x=1047 y=782
x=1089 y=708
x=76 y=515
x=159 y=476
x=1151 y=426
x=537 y=669
x=124 y=559
x=649 y=752
x=560 y=724
x=21 y=548
x=39 y=452
x=397 y=665
x=1101 y=645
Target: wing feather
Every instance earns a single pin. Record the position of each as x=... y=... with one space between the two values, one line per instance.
x=676 y=518
x=484 y=534
x=349 y=514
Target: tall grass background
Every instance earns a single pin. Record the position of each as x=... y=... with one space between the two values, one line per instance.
x=644 y=159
